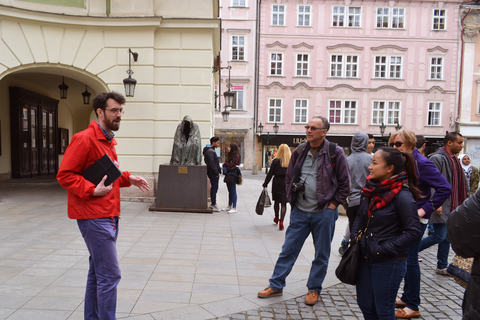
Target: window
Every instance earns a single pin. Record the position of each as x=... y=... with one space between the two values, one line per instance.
x=439 y=18
x=238 y=48
x=278 y=15
x=434 y=113
x=238 y=100
x=300 y=110
x=304 y=14
x=275 y=110
x=352 y=15
x=391 y=63
x=393 y=18
x=238 y=3
x=387 y=112
x=276 y=64
x=342 y=112
x=339 y=63
x=436 y=68
x=302 y=65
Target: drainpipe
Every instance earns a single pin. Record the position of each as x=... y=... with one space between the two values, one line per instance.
x=460 y=82
x=256 y=80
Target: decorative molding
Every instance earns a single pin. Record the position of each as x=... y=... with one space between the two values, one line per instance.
x=345 y=45
x=231 y=30
x=438 y=48
x=343 y=85
x=277 y=43
x=388 y=87
x=275 y=83
x=302 y=84
x=303 y=44
x=389 y=46
x=436 y=88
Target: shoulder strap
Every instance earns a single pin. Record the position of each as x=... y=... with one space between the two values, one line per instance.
x=332 y=154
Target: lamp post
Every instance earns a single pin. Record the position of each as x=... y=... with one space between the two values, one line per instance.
x=382 y=130
x=228 y=95
x=275 y=131
x=130 y=82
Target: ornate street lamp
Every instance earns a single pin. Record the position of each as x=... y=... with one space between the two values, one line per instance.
x=86 y=96
x=63 y=89
x=260 y=130
x=130 y=82
x=228 y=95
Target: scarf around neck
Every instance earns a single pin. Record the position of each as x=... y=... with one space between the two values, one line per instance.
x=382 y=193
x=459 y=191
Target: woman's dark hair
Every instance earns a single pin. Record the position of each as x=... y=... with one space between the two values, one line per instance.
x=234 y=152
x=402 y=161
x=100 y=100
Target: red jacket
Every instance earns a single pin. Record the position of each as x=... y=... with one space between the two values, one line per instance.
x=85 y=149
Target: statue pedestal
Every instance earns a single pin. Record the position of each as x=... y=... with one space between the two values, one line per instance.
x=182 y=189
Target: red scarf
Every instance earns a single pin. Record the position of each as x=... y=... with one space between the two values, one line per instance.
x=381 y=193
x=459 y=192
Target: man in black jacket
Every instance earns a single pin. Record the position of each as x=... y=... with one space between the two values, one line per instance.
x=213 y=169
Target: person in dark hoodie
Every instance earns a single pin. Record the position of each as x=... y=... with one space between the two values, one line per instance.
x=358 y=162
x=213 y=169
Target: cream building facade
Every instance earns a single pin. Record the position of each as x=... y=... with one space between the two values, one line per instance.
x=86 y=43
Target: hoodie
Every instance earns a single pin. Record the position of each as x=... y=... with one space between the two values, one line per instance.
x=358 y=162
x=211 y=160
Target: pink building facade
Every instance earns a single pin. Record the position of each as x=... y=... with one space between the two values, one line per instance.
x=359 y=64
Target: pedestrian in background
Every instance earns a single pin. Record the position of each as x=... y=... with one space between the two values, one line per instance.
x=97 y=207
x=471 y=173
x=213 y=169
x=231 y=178
x=279 y=193
x=388 y=218
x=428 y=178
x=371 y=144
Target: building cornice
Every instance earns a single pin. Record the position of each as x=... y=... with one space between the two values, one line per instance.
x=389 y=46
x=303 y=44
x=345 y=45
x=438 y=48
x=277 y=43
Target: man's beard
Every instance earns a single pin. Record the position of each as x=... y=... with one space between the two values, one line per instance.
x=113 y=125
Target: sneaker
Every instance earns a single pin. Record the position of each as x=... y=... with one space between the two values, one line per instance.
x=214 y=207
x=311 y=298
x=343 y=247
x=268 y=293
x=442 y=272
x=420 y=259
x=233 y=210
x=226 y=209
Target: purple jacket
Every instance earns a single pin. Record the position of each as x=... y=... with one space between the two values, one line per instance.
x=333 y=184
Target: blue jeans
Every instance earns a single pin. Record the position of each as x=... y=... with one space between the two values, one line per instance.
x=322 y=226
x=439 y=236
x=213 y=188
x=411 y=288
x=377 y=288
x=100 y=236
x=232 y=195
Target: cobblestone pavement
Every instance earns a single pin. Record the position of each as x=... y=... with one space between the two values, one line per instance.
x=441 y=298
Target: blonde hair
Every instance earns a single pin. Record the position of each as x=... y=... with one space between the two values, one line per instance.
x=284 y=153
x=408 y=136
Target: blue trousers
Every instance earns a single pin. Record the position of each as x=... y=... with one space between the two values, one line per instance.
x=439 y=236
x=377 y=288
x=411 y=288
x=322 y=227
x=213 y=188
x=100 y=236
x=232 y=195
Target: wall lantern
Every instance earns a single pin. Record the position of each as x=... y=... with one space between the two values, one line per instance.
x=63 y=89
x=130 y=82
x=382 y=129
x=398 y=126
x=228 y=95
x=86 y=96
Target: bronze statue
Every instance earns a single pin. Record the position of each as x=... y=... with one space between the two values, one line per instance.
x=187 y=144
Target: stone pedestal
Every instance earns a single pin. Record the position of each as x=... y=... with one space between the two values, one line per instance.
x=182 y=189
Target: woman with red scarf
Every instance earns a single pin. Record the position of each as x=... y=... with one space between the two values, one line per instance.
x=389 y=223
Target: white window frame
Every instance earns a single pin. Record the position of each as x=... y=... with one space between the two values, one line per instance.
x=301 y=66
x=346 y=16
x=336 y=65
x=238 y=100
x=278 y=17
x=351 y=68
x=276 y=63
x=300 y=111
x=387 y=112
x=238 y=46
x=434 y=114
x=345 y=68
x=400 y=16
x=344 y=110
x=238 y=3
x=383 y=16
x=387 y=67
x=439 y=19
x=304 y=18
x=436 y=69
x=276 y=116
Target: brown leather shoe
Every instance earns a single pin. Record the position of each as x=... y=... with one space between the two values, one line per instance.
x=401 y=314
x=268 y=293
x=311 y=298
x=400 y=304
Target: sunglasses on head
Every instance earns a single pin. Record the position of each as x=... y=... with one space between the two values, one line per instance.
x=397 y=144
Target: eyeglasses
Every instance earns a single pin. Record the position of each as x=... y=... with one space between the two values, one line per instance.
x=314 y=128
x=397 y=144
x=115 y=110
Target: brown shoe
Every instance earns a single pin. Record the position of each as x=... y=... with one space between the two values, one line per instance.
x=268 y=293
x=311 y=298
x=400 y=304
x=401 y=314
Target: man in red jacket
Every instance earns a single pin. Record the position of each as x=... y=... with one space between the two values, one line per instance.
x=97 y=207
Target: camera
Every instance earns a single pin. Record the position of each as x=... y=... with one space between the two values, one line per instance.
x=298 y=187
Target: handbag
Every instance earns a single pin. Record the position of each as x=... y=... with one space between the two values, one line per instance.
x=268 y=202
x=460 y=269
x=229 y=179
x=240 y=179
x=261 y=202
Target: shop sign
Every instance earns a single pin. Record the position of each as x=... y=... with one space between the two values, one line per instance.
x=299 y=140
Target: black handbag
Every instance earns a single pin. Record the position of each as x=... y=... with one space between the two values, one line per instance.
x=349 y=267
x=261 y=202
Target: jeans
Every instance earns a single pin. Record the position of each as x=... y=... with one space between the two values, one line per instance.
x=377 y=288
x=322 y=226
x=232 y=195
x=100 y=236
x=439 y=236
x=411 y=288
x=213 y=188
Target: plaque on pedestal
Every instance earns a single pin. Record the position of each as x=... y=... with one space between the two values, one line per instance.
x=182 y=189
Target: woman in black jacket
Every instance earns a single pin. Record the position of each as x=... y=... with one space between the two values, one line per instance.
x=463 y=226
x=389 y=223
x=279 y=193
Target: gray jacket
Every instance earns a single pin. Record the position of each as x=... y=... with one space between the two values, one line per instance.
x=358 y=163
